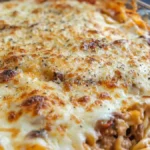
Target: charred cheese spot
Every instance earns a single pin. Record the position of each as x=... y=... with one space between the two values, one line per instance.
x=14 y=116
x=104 y=95
x=58 y=76
x=118 y=74
x=33 y=100
x=111 y=84
x=40 y=1
x=93 y=31
x=119 y=42
x=48 y=75
x=35 y=103
x=89 y=1
x=67 y=86
x=37 y=10
x=84 y=99
x=15 y=13
x=7 y=75
x=12 y=60
x=146 y=97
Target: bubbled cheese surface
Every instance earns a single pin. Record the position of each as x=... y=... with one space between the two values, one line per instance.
x=72 y=68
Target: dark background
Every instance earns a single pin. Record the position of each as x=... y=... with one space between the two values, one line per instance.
x=147 y=1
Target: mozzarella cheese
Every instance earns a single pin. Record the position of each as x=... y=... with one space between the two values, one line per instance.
x=63 y=67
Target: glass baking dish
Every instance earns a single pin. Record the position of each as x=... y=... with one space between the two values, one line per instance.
x=144 y=10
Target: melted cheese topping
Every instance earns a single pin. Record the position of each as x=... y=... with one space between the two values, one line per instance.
x=64 y=66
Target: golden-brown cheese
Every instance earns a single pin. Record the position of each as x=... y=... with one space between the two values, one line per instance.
x=66 y=68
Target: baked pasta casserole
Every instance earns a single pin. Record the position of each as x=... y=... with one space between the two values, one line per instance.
x=74 y=75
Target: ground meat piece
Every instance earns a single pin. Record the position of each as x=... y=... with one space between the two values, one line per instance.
x=107 y=142
x=138 y=132
x=103 y=125
x=126 y=143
